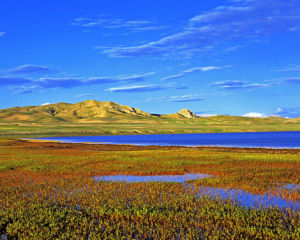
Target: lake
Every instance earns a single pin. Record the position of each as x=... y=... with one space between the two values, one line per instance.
x=246 y=139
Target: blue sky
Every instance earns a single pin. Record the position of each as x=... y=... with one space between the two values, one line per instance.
x=213 y=57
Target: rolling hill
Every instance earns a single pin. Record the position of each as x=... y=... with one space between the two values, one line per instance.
x=79 y=112
x=94 y=117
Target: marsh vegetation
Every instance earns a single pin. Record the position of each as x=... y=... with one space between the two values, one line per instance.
x=48 y=191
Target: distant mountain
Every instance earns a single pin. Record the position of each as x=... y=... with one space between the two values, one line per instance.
x=83 y=111
x=187 y=113
x=92 y=111
x=183 y=113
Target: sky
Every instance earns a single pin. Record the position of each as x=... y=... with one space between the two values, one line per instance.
x=229 y=57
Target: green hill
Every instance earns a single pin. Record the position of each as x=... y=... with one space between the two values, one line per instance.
x=96 y=118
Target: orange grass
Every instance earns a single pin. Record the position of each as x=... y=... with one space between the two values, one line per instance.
x=46 y=192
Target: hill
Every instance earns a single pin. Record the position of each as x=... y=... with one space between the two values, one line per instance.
x=183 y=113
x=89 y=110
x=104 y=118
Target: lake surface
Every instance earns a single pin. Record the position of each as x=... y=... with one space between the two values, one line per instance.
x=237 y=196
x=249 y=139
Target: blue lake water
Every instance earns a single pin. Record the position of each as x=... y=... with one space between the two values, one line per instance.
x=249 y=139
x=237 y=196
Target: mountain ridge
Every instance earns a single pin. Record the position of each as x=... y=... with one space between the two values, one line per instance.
x=88 y=109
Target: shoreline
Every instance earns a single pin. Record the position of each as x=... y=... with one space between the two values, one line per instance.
x=36 y=140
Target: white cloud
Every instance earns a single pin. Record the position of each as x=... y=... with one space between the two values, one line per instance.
x=29 y=69
x=183 y=98
x=196 y=69
x=108 y=22
x=140 y=88
x=206 y=115
x=44 y=104
x=254 y=115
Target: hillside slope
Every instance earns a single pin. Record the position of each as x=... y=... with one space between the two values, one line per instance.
x=79 y=112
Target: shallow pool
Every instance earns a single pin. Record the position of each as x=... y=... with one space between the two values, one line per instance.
x=157 y=178
x=249 y=200
x=237 y=196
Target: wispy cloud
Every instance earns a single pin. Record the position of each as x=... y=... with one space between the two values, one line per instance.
x=289 y=69
x=232 y=48
x=140 y=88
x=292 y=112
x=238 y=20
x=248 y=86
x=236 y=84
x=183 y=98
x=85 y=95
x=108 y=22
x=229 y=83
x=131 y=78
x=195 y=70
x=13 y=81
x=47 y=83
x=25 y=89
x=29 y=69
x=2 y=33
x=290 y=80
x=73 y=82
x=27 y=85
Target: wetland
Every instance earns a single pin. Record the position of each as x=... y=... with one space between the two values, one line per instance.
x=49 y=190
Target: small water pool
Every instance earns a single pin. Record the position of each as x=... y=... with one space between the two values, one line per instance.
x=249 y=200
x=157 y=178
x=291 y=187
x=237 y=196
